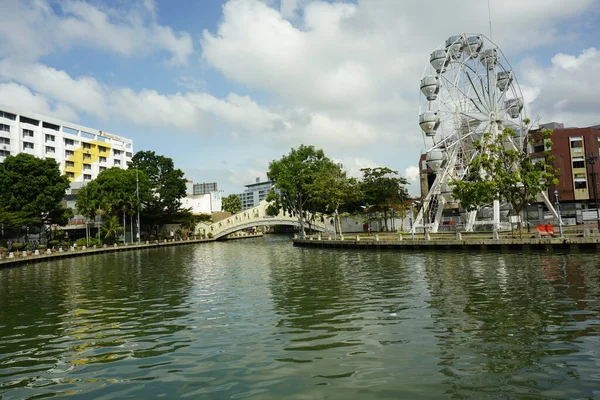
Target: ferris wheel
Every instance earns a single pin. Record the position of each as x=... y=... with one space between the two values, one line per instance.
x=468 y=89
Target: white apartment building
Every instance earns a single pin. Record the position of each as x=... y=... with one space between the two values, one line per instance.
x=255 y=193
x=81 y=152
x=207 y=203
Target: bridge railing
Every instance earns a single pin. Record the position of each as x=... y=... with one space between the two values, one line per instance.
x=257 y=216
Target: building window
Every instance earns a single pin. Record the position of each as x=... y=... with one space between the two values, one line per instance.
x=87 y=167
x=538 y=147
x=27 y=145
x=69 y=153
x=102 y=169
x=69 y=142
x=87 y=146
x=4 y=127
x=49 y=138
x=4 y=140
x=102 y=149
x=117 y=162
x=50 y=149
x=129 y=154
x=69 y=164
x=576 y=144
x=4 y=153
x=580 y=185
x=103 y=159
x=8 y=115
x=48 y=125
x=87 y=177
x=117 y=152
x=31 y=121
x=87 y=156
x=71 y=174
x=578 y=164
x=27 y=133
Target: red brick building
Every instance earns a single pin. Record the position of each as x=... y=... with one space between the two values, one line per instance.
x=576 y=157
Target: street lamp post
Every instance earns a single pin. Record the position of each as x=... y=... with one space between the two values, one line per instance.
x=137 y=195
x=560 y=231
x=335 y=224
x=591 y=160
x=412 y=220
x=527 y=217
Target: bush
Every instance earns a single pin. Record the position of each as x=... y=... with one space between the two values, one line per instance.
x=210 y=235
x=29 y=246
x=16 y=246
x=3 y=250
x=41 y=247
x=88 y=242
x=53 y=243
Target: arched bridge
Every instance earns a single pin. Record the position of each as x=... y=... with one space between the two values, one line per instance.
x=257 y=216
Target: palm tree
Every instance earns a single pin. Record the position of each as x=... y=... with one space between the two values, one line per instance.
x=111 y=228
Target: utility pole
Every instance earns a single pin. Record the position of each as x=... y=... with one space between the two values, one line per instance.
x=137 y=194
x=560 y=231
x=591 y=160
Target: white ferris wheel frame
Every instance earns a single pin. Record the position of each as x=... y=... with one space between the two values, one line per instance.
x=468 y=94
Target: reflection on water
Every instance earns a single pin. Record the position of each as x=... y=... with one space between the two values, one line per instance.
x=262 y=318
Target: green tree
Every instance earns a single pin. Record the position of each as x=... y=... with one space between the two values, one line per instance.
x=500 y=171
x=292 y=176
x=334 y=191
x=31 y=192
x=111 y=228
x=168 y=187
x=232 y=204
x=383 y=190
x=114 y=193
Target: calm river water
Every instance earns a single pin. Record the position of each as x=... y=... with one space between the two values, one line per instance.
x=259 y=318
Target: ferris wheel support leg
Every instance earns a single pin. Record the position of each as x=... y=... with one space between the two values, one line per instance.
x=438 y=215
x=470 y=221
x=496 y=207
x=549 y=205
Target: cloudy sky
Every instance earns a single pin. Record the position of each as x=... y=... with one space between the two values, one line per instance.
x=224 y=87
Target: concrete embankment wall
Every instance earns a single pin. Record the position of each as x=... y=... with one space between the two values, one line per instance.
x=20 y=259
x=524 y=244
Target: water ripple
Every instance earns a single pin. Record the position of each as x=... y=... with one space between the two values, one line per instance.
x=262 y=319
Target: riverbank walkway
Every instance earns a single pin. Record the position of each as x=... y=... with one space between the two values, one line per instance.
x=11 y=259
x=572 y=240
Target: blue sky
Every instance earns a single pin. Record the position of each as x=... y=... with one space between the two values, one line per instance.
x=225 y=87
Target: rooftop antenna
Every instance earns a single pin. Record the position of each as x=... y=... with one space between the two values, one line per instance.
x=490 y=18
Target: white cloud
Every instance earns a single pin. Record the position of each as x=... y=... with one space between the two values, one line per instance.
x=20 y=96
x=567 y=90
x=346 y=75
x=341 y=75
x=32 y=28
x=188 y=112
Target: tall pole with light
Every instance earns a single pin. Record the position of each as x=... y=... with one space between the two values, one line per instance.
x=412 y=219
x=137 y=195
x=560 y=231
x=591 y=160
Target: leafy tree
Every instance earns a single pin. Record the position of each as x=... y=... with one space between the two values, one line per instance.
x=113 y=193
x=383 y=190
x=292 y=176
x=111 y=228
x=334 y=191
x=31 y=192
x=501 y=171
x=168 y=187
x=232 y=204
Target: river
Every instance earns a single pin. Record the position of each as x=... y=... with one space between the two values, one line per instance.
x=261 y=319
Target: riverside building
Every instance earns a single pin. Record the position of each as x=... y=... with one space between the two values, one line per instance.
x=255 y=193
x=81 y=152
